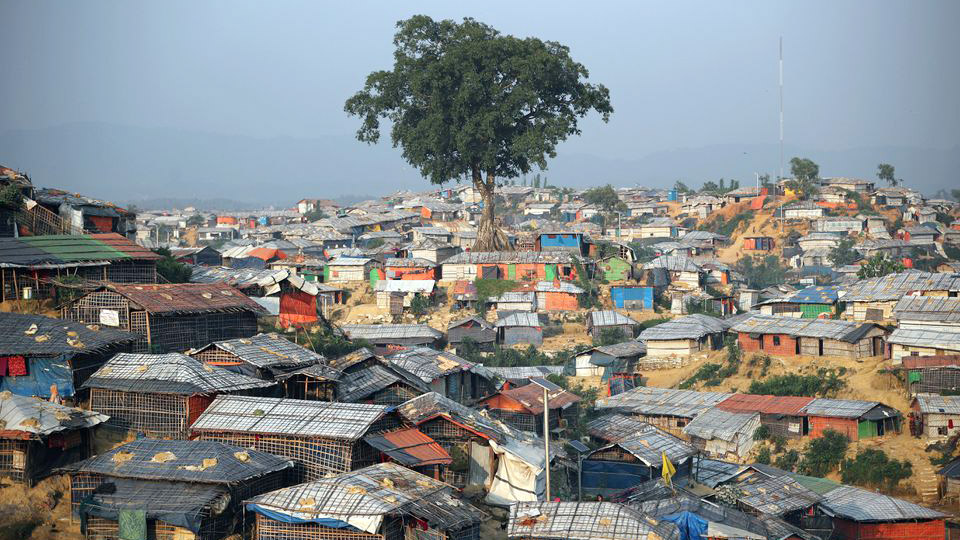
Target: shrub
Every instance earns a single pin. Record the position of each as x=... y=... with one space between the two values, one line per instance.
x=761 y=433
x=779 y=443
x=872 y=468
x=763 y=456
x=170 y=269
x=824 y=453
x=419 y=305
x=826 y=382
x=787 y=461
x=609 y=336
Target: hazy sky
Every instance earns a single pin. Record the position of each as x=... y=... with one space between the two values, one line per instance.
x=681 y=74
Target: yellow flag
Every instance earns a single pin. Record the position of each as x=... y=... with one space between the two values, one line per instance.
x=668 y=469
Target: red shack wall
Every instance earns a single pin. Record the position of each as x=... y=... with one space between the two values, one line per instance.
x=847 y=426
x=787 y=347
x=851 y=530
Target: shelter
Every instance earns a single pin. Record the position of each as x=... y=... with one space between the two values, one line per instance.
x=858 y=513
x=609 y=320
x=31 y=266
x=615 y=268
x=557 y=295
x=932 y=374
x=316 y=381
x=634 y=297
x=949 y=480
x=666 y=408
x=682 y=270
x=393 y=337
x=518 y=265
x=474 y=328
x=722 y=434
x=905 y=342
x=522 y=408
x=382 y=384
x=633 y=459
x=584 y=521
x=446 y=373
x=411 y=268
x=349 y=269
x=189 y=490
x=709 y=520
x=203 y=256
x=617 y=364
x=520 y=329
x=42 y=356
x=379 y=502
x=935 y=417
x=853 y=418
x=161 y=394
x=464 y=295
x=264 y=356
x=298 y=298
x=321 y=437
x=37 y=436
x=511 y=301
x=874 y=299
x=810 y=303
x=388 y=292
x=411 y=448
x=780 y=496
x=169 y=317
x=789 y=336
x=758 y=243
x=521 y=375
x=610 y=428
x=783 y=416
x=684 y=336
x=573 y=242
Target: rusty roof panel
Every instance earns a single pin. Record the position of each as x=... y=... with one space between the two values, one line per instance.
x=787 y=405
x=410 y=447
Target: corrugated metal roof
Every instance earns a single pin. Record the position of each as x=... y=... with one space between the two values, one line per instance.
x=609 y=317
x=786 y=405
x=848 y=331
x=516 y=297
x=715 y=423
x=648 y=443
x=531 y=397
x=519 y=319
x=623 y=350
x=41 y=418
x=525 y=372
x=408 y=262
x=357 y=497
x=653 y=401
x=512 y=257
x=674 y=263
x=422 y=286
x=29 y=335
x=928 y=308
x=266 y=350
x=776 y=496
x=558 y=286
x=938 y=404
x=585 y=521
x=410 y=447
x=840 y=408
x=895 y=286
x=382 y=332
x=932 y=338
x=363 y=383
x=865 y=506
x=687 y=327
x=171 y=373
x=614 y=427
x=297 y=417
x=429 y=364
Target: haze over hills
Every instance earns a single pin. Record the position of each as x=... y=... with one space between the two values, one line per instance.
x=124 y=163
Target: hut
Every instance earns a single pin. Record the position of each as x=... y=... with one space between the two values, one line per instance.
x=190 y=490
x=858 y=513
x=446 y=373
x=517 y=265
x=321 y=437
x=615 y=268
x=522 y=407
x=411 y=448
x=572 y=242
x=410 y=268
x=161 y=394
x=758 y=243
x=723 y=434
x=932 y=374
x=521 y=375
x=609 y=320
x=201 y=256
x=783 y=416
x=380 y=384
x=464 y=295
x=393 y=337
x=926 y=326
x=684 y=336
x=717 y=521
x=475 y=329
x=264 y=356
x=810 y=303
x=949 y=480
x=520 y=329
x=615 y=364
x=378 y=502
x=633 y=297
x=681 y=269
x=169 y=317
x=513 y=301
x=37 y=436
x=935 y=417
x=557 y=295
x=584 y=521
x=781 y=496
x=51 y=358
x=875 y=299
x=298 y=298
x=853 y=418
x=666 y=408
x=349 y=269
x=388 y=291
x=790 y=336
x=30 y=266
x=634 y=458
x=314 y=382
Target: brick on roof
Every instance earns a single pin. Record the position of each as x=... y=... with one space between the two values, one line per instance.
x=187 y=297
x=788 y=405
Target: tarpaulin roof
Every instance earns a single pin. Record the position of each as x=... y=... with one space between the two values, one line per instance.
x=171 y=373
x=363 y=497
x=785 y=405
x=585 y=521
x=266 y=350
x=687 y=327
x=653 y=401
x=848 y=331
x=531 y=397
x=265 y=253
x=409 y=447
x=67 y=250
x=177 y=503
x=36 y=335
x=649 y=443
x=928 y=308
x=282 y=416
x=715 y=423
x=41 y=418
x=609 y=317
x=865 y=506
x=384 y=332
x=186 y=297
x=205 y=462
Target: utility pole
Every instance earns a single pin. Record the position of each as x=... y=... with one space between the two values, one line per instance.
x=781 y=107
x=546 y=439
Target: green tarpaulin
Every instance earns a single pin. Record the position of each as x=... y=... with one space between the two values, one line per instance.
x=133 y=524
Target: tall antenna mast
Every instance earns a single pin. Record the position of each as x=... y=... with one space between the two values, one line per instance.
x=781 y=107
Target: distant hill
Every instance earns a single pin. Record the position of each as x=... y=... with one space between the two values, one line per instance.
x=124 y=163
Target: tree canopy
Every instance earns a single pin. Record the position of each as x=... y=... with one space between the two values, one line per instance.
x=887 y=173
x=465 y=101
x=879 y=265
x=843 y=253
x=805 y=175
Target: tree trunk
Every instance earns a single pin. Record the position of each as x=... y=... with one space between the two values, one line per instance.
x=489 y=236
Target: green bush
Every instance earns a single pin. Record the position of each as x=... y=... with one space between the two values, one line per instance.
x=609 y=336
x=872 y=468
x=170 y=269
x=763 y=456
x=824 y=453
x=826 y=382
x=761 y=433
x=787 y=461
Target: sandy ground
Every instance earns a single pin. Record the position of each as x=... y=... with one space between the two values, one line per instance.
x=40 y=513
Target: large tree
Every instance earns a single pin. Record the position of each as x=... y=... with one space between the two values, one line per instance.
x=465 y=100
x=887 y=173
x=805 y=173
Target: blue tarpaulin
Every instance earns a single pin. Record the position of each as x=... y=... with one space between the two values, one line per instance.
x=41 y=374
x=618 y=475
x=692 y=526
x=285 y=518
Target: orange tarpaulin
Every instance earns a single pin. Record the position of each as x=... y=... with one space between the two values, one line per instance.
x=267 y=253
x=297 y=308
x=757 y=202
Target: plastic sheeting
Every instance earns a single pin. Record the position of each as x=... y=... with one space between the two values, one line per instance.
x=370 y=524
x=297 y=308
x=691 y=526
x=42 y=373
x=515 y=479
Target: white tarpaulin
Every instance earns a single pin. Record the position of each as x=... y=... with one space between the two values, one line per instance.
x=516 y=480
